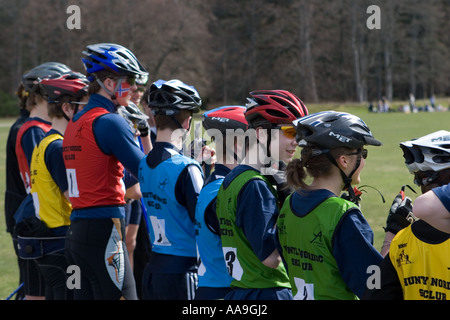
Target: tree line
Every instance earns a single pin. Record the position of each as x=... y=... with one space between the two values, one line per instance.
x=322 y=50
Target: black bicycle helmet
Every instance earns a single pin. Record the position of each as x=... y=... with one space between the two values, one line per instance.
x=225 y=118
x=330 y=129
x=33 y=77
x=168 y=97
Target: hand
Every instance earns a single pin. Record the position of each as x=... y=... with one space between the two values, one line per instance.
x=207 y=156
x=400 y=214
x=357 y=196
x=143 y=128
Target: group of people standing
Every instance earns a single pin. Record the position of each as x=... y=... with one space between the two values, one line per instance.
x=224 y=224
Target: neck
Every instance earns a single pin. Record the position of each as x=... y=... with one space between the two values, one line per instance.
x=174 y=137
x=59 y=124
x=103 y=93
x=333 y=184
x=256 y=157
x=40 y=111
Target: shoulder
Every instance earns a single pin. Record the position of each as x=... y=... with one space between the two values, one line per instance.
x=109 y=120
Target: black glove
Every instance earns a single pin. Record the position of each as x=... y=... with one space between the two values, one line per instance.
x=400 y=215
x=143 y=128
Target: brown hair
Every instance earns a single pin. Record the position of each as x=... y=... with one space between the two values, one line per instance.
x=94 y=86
x=22 y=94
x=443 y=178
x=298 y=170
x=166 y=122
x=55 y=109
x=34 y=99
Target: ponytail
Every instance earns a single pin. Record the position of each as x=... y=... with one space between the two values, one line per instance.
x=310 y=165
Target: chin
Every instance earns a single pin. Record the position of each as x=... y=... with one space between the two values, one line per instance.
x=123 y=102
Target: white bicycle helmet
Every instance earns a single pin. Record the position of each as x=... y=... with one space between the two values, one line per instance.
x=428 y=153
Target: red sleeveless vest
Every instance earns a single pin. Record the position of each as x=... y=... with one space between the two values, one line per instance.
x=94 y=178
x=24 y=166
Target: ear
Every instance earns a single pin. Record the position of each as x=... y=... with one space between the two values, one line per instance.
x=67 y=109
x=187 y=123
x=110 y=84
x=343 y=161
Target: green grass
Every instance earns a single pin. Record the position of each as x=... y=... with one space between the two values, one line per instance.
x=384 y=170
x=9 y=275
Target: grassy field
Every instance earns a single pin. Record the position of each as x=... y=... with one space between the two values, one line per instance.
x=9 y=275
x=385 y=170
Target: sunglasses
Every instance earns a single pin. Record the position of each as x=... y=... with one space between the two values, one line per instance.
x=362 y=152
x=288 y=131
x=130 y=80
x=140 y=89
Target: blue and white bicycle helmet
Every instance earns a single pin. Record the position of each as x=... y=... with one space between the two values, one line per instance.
x=114 y=58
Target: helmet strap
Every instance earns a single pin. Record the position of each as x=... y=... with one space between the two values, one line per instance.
x=346 y=179
x=113 y=93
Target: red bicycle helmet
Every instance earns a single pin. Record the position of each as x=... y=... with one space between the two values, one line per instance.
x=72 y=84
x=275 y=106
x=226 y=117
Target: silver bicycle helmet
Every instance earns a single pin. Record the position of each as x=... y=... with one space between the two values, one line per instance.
x=427 y=153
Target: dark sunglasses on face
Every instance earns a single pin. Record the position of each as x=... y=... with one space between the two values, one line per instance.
x=139 y=89
x=130 y=80
x=362 y=152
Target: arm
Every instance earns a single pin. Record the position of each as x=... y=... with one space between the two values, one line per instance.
x=354 y=251
x=273 y=260
x=146 y=144
x=55 y=164
x=114 y=137
x=430 y=208
x=256 y=215
x=188 y=187
x=30 y=139
x=132 y=189
x=133 y=192
x=390 y=287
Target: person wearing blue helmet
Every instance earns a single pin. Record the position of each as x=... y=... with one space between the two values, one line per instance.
x=98 y=144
